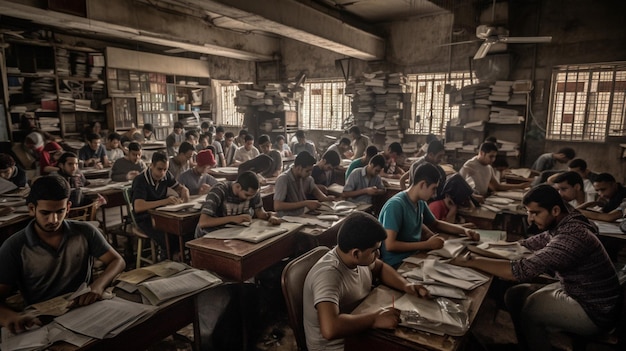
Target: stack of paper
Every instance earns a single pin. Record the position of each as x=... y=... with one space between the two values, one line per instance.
x=460 y=277
x=161 y=290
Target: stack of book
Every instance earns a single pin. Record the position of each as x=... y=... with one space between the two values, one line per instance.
x=63 y=62
x=273 y=97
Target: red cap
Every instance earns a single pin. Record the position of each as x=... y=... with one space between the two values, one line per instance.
x=205 y=158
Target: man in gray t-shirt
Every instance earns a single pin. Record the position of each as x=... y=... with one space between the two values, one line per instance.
x=294 y=185
x=365 y=182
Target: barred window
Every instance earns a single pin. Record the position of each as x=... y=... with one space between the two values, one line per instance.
x=324 y=105
x=227 y=111
x=587 y=102
x=431 y=103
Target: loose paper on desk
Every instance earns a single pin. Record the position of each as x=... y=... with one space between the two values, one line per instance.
x=500 y=249
x=40 y=338
x=307 y=221
x=337 y=207
x=256 y=232
x=161 y=269
x=105 y=318
x=460 y=277
x=160 y=290
x=608 y=228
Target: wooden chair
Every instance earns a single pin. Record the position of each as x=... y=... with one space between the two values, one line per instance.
x=292 y=282
x=141 y=236
x=83 y=213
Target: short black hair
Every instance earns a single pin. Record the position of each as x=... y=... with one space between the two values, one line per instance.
x=332 y=158
x=546 y=196
x=219 y=129
x=500 y=161
x=395 y=147
x=204 y=136
x=491 y=139
x=190 y=133
x=148 y=126
x=604 y=177
x=300 y=134
x=435 y=147
x=355 y=130
x=229 y=135
x=572 y=178
x=280 y=137
x=371 y=151
x=178 y=125
x=264 y=138
x=248 y=180
x=185 y=146
x=50 y=187
x=159 y=156
x=578 y=163
x=568 y=152
x=344 y=141
x=134 y=146
x=114 y=136
x=204 y=125
x=360 y=230
x=304 y=159
x=65 y=156
x=6 y=161
x=488 y=147
x=243 y=132
x=93 y=136
x=248 y=137
x=430 y=138
x=378 y=160
x=426 y=172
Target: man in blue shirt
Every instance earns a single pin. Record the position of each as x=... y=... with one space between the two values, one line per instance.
x=93 y=153
x=403 y=215
x=365 y=182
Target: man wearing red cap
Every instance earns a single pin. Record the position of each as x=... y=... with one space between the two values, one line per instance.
x=196 y=179
x=49 y=157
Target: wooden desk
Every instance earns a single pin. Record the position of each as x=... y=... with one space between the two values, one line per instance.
x=180 y=224
x=408 y=339
x=240 y=260
x=12 y=226
x=317 y=236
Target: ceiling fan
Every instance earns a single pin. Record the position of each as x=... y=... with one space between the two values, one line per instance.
x=494 y=35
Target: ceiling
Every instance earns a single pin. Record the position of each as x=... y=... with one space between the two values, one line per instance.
x=240 y=29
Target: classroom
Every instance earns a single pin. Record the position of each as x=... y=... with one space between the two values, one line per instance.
x=312 y=175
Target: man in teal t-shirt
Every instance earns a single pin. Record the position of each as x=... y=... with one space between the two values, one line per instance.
x=403 y=215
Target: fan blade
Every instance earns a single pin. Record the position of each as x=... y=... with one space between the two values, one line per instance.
x=523 y=40
x=461 y=42
x=482 y=50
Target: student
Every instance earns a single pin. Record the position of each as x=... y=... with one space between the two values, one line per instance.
x=204 y=127
x=147 y=133
x=404 y=227
x=219 y=136
x=342 y=278
x=294 y=185
x=302 y=144
x=282 y=146
x=359 y=142
x=365 y=182
x=478 y=171
x=192 y=136
x=424 y=149
x=229 y=148
x=579 y=166
x=586 y=300
x=342 y=148
x=131 y=135
x=456 y=192
x=49 y=157
x=68 y=170
x=434 y=154
x=52 y=256
x=370 y=152
x=241 y=138
x=113 y=150
x=196 y=179
x=392 y=169
x=182 y=161
x=323 y=170
x=203 y=142
x=93 y=153
x=130 y=166
x=12 y=172
x=174 y=139
x=94 y=128
x=218 y=144
x=247 y=151
x=265 y=148
x=610 y=196
x=150 y=190
x=232 y=202
x=549 y=160
x=570 y=187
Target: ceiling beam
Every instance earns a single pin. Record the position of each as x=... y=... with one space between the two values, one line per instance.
x=140 y=22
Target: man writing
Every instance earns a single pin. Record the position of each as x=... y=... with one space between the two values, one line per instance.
x=585 y=300
x=130 y=166
x=52 y=256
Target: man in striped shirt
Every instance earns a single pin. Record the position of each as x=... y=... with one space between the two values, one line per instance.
x=586 y=300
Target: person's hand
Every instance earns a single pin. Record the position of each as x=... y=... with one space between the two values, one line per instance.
x=372 y=190
x=417 y=290
x=274 y=220
x=98 y=165
x=525 y=185
x=204 y=189
x=131 y=175
x=330 y=197
x=19 y=323
x=86 y=299
x=472 y=234
x=462 y=260
x=173 y=200
x=469 y=225
x=387 y=318
x=242 y=218
x=312 y=204
x=434 y=242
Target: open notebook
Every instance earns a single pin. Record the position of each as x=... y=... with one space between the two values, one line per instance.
x=256 y=232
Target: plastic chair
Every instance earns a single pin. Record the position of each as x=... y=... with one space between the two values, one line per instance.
x=292 y=282
x=141 y=236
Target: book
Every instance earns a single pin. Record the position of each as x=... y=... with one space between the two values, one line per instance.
x=40 y=338
x=337 y=206
x=161 y=290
